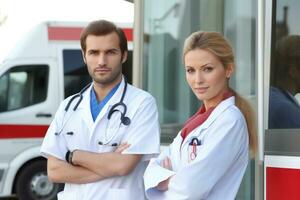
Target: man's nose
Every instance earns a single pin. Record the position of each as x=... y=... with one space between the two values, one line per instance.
x=102 y=60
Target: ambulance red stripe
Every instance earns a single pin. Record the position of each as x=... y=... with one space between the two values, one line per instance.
x=8 y=131
x=73 y=33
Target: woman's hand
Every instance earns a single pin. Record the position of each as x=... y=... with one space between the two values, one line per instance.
x=167 y=164
x=122 y=147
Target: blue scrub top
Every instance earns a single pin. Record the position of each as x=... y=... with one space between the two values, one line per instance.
x=96 y=106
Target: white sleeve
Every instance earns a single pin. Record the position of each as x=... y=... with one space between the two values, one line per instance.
x=55 y=145
x=144 y=133
x=154 y=173
x=221 y=148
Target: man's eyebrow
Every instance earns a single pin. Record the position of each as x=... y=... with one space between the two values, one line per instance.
x=113 y=49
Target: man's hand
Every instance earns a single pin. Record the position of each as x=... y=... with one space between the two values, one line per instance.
x=107 y=164
x=60 y=171
x=122 y=147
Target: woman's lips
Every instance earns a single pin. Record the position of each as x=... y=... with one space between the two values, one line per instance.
x=200 y=90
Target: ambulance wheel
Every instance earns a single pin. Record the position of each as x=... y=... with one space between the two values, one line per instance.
x=33 y=183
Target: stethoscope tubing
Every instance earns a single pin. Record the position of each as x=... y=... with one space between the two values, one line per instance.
x=124 y=120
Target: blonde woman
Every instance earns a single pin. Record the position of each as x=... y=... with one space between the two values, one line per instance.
x=209 y=156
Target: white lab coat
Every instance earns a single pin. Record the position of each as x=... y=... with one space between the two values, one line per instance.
x=218 y=169
x=142 y=134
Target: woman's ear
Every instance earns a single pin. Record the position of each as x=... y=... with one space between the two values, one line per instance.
x=229 y=70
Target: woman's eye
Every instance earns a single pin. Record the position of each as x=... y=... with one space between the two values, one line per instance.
x=190 y=70
x=208 y=69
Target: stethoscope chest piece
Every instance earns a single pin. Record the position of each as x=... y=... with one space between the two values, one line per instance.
x=125 y=120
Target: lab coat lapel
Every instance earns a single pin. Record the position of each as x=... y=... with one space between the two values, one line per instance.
x=113 y=100
x=85 y=109
x=213 y=116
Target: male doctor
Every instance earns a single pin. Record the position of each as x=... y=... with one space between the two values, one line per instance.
x=90 y=147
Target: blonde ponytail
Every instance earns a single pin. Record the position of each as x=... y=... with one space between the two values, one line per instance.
x=249 y=115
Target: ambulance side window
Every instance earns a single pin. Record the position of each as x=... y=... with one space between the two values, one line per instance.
x=75 y=72
x=23 y=86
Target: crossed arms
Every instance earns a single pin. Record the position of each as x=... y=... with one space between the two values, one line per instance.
x=91 y=167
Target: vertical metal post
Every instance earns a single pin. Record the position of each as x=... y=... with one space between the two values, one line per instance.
x=138 y=30
x=260 y=98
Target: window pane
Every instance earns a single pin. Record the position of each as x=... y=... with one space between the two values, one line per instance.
x=75 y=72
x=23 y=86
x=284 y=109
x=3 y=92
x=18 y=81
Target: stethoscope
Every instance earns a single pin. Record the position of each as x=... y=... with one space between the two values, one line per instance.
x=115 y=108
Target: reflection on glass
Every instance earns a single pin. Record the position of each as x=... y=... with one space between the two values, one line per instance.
x=17 y=84
x=3 y=92
x=284 y=107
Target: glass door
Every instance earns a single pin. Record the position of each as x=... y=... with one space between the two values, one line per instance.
x=282 y=138
x=166 y=24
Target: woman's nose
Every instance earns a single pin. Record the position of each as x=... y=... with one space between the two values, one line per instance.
x=198 y=76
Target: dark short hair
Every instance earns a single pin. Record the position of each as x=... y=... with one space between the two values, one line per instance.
x=100 y=28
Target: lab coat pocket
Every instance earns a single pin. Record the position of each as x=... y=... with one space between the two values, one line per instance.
x=72 y=140
x=112 y=138
x=193 y=149
x=117 y=194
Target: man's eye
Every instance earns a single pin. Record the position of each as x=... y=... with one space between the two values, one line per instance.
x=112 y=52
x=92 y=52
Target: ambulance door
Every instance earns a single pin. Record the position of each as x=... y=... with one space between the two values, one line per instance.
x=29 y=97
x=28 y=101
x=282 y=135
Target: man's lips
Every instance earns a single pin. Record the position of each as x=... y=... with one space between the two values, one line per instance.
x=102 y=69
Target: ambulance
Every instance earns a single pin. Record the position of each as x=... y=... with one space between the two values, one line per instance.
x=44 y=68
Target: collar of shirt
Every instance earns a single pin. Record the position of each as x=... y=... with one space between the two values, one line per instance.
x=200 y=117
x=96 y=106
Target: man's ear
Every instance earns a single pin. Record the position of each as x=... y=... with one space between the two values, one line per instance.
x=229 y=70
x=124 y=56
x=83 y=56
